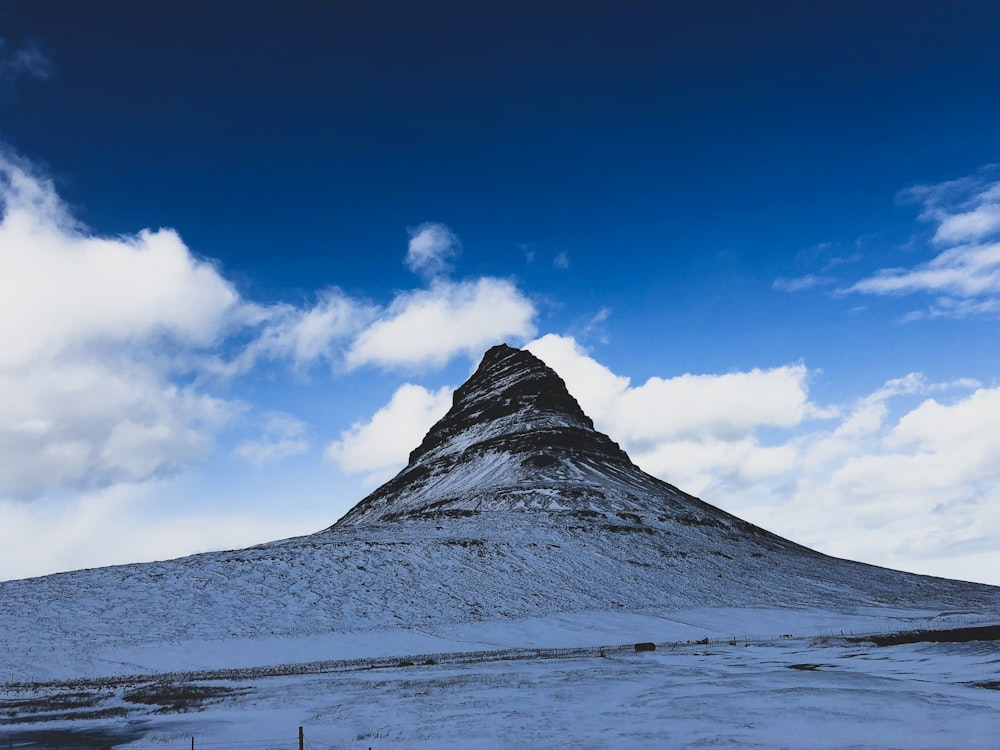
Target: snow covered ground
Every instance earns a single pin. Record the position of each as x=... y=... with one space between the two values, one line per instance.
x=690 y=697
x=546 y=682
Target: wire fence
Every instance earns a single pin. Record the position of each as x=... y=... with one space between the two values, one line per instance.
x=285 y=743
x=186 y=743
x=711 y=637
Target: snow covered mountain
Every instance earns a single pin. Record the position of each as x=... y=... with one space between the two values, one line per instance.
x=512 y=511
x=516 y=456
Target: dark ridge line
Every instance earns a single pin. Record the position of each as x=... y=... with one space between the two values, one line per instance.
x=330 y=666
x=950 y=635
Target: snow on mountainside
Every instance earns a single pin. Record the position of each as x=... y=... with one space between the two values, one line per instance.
x=512 y=511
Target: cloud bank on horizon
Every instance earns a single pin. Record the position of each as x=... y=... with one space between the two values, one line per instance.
x=118 y=358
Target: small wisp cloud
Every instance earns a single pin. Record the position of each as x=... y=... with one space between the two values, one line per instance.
x=26 y=60
x=431 y=249
x=962 y=276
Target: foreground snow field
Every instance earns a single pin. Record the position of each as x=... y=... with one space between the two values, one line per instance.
x=796 y=691
x=714 y=697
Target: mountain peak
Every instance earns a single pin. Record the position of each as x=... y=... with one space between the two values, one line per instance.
x=511 y=391
x=514 y=438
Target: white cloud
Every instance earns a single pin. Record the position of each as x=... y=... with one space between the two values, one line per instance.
x=698 y=429
x=89 y=423
x=594 y=328
x=334 y=317
x=428 y=327
x=380 y=446
x=88 y=330
x=965 y=275
x=900 y=492
x=561 y=261
x=950 y=444
x=801 y=283
x=966 y=271
x=725 y=406
x=965 y=210
x=304 y=335
x=108 y=347
x=62 y=290
x=283 y=436
x=596 y=388
x=418 y=328
x=431 y=248
x=969 y=226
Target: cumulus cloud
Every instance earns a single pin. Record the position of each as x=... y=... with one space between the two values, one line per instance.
x=428 y=327
x=904 y=491
x=418 y=328
x=933 y=440
x=380 y=446
x=87 y=326
x=431 y=248
x=67 y=291
x=964 y=276
x=699 y=429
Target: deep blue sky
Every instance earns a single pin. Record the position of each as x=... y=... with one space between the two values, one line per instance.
x=662 y=146
x=682 y=157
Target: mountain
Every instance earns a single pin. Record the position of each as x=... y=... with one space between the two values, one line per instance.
x=515 y=439
x=512 y=510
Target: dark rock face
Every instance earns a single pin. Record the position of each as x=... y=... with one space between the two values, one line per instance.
x=510 y=393
x=515 y=439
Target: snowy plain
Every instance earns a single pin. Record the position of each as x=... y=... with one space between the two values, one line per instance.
x=563 y=681
x=721 y=696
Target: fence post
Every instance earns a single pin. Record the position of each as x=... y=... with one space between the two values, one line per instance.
x=192 y=742
x=301 y=739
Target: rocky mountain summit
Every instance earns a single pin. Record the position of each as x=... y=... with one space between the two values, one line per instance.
x=513 y=439
x=512 y=510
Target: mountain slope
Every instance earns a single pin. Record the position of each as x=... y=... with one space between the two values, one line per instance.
x=513 y=507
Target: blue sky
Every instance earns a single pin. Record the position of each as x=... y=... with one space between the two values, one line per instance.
x=248 y=249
